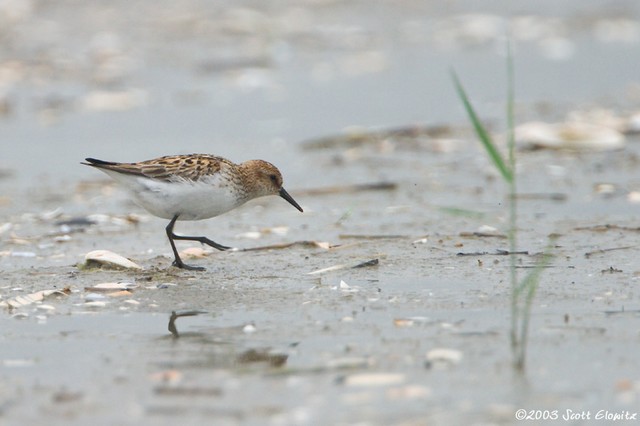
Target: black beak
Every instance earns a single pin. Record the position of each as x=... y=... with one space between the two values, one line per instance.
x=284 y=194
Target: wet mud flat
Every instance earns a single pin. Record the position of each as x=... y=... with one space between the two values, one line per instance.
x=388 y=301
x=378 y=305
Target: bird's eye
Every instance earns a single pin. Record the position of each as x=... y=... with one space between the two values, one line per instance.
x=274 y=179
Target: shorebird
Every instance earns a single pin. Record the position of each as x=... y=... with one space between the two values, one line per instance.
x=194 y=187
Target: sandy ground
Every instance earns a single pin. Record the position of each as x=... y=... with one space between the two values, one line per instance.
x=377 y=306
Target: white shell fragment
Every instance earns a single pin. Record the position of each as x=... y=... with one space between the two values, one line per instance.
x=488 y=229
x=109 y=259
x=249 y=328
x=442 y=357
x=634 y=197
x=374 y=379
x=95 y=304
x=28 y=299
x=111 y=287
x=410 y=321
x=195 y=253
x=574 y=136
x=5 y=227
x=346 y=288
x=409 y=392
x=46 y=308
x=92 y=297
x=367 y=263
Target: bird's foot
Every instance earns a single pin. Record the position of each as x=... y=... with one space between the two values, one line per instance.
x=182 y=265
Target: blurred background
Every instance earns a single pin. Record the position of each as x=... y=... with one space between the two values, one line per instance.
x=132 y=80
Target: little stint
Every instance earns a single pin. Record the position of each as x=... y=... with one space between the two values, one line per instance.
x=194 y=187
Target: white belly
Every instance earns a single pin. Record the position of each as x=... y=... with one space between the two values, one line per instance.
x=189 y=200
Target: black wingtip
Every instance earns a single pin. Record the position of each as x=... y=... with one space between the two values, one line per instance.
x=96 y=162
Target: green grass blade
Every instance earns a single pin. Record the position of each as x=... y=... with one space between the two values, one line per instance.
x=531 y=280
x=511 y=139
x=482 y=133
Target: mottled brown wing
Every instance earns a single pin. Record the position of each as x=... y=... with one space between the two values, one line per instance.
x=189 y=167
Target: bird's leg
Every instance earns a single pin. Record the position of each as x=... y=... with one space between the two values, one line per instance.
x=178 y=262
x=202 y=240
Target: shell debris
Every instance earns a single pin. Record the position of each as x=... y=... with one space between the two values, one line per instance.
x=111 y=287
x=28 y=299
x=108 y=259
x=443 y=357
x=571 y=136
x=195 y=253
x=374 y=379
x=409 y=392
x=95 y=304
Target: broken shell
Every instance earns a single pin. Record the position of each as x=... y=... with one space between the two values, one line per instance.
x=46 y=308
x=23 y=254
x=487 y=229
x=92 y=297
x=119 y=293
x=409 y=392
x=633 y=197
x=605 y=189
x=111 y=287
x=5 y=227
x=574 y=136
x=251 y=235
x=195 y=253
x=109 y=260
x=276 y=230
x=167 y=376
x=249 y=328
x=32 y=298
x=374 y=379
x=95 y=304
x=346 y=288
x=410 y=321
x=443 y=357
